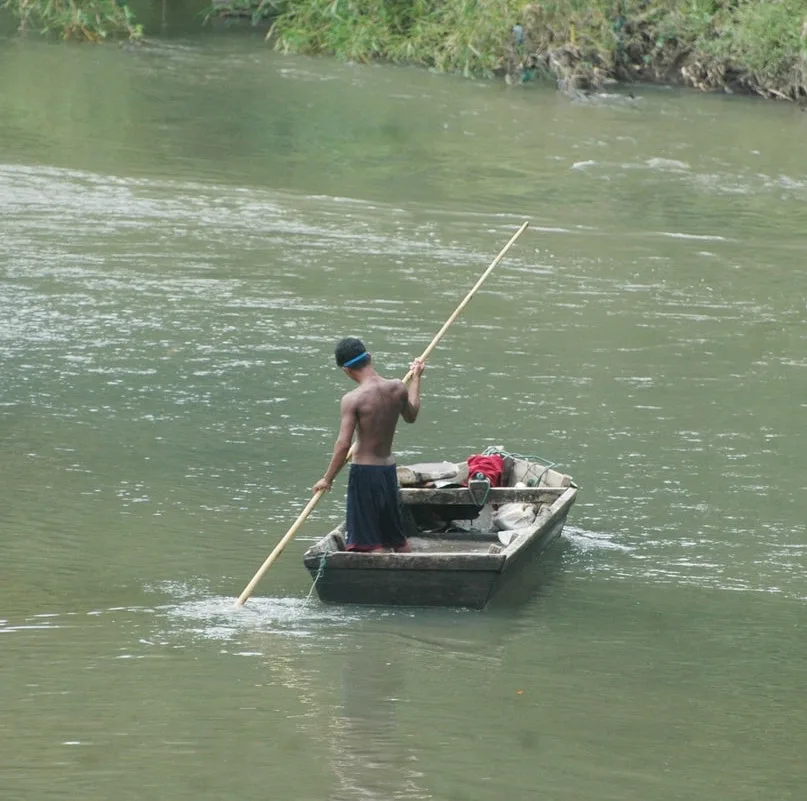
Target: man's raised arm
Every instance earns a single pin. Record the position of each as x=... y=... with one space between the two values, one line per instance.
x=411 y=406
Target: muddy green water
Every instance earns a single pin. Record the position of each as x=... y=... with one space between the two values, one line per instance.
x=185 y=232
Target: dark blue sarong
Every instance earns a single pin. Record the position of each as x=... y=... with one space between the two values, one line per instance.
x=373 y=514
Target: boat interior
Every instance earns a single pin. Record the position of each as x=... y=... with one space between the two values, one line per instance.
x=454 y=508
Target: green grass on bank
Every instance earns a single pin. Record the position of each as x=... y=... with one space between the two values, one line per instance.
x=740 y=45
x=471 y=36
x=744 y=45
x=85 y=20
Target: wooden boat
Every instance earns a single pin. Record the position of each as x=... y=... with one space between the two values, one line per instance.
x=468 y=538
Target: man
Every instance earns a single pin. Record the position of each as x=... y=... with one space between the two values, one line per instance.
x=371 y=410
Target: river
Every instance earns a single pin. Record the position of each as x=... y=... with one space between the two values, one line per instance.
x=185 y=232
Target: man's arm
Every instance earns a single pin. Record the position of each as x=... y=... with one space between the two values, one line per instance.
x=342 y=445
x=411 y=406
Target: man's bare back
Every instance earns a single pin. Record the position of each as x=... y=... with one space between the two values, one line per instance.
x=376 y=404
x=371 y=411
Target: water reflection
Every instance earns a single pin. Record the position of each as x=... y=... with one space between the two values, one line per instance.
x=358 y=676
x=369 y=755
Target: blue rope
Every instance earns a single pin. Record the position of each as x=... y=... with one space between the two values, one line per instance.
x=494 y=451
x=323 y=557
x=545 y=463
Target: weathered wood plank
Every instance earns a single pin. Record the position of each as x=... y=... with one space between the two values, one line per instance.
x=544 y=528
x=463 y=496
x=452 y=562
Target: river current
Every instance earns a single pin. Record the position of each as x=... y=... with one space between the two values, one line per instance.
x=185 y=231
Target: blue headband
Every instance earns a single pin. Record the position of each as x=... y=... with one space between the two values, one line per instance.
x=356 y=359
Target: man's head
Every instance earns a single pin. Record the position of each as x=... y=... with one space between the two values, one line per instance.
x=351 y=355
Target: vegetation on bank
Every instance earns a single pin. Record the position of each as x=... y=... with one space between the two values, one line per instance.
x=85 y=20
x=733 y=45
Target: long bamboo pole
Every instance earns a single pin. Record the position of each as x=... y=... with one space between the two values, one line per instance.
x=426 y=353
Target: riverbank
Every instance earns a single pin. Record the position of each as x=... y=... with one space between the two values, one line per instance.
x=750 y=47
x=744 y=46
x=80 y=20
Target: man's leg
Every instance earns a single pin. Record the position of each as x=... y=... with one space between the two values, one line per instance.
x=392 y=525
x=362 y=518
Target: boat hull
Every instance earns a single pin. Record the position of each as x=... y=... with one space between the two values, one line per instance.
x=390 y=587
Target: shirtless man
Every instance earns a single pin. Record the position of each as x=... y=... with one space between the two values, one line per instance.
x=372 y=409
